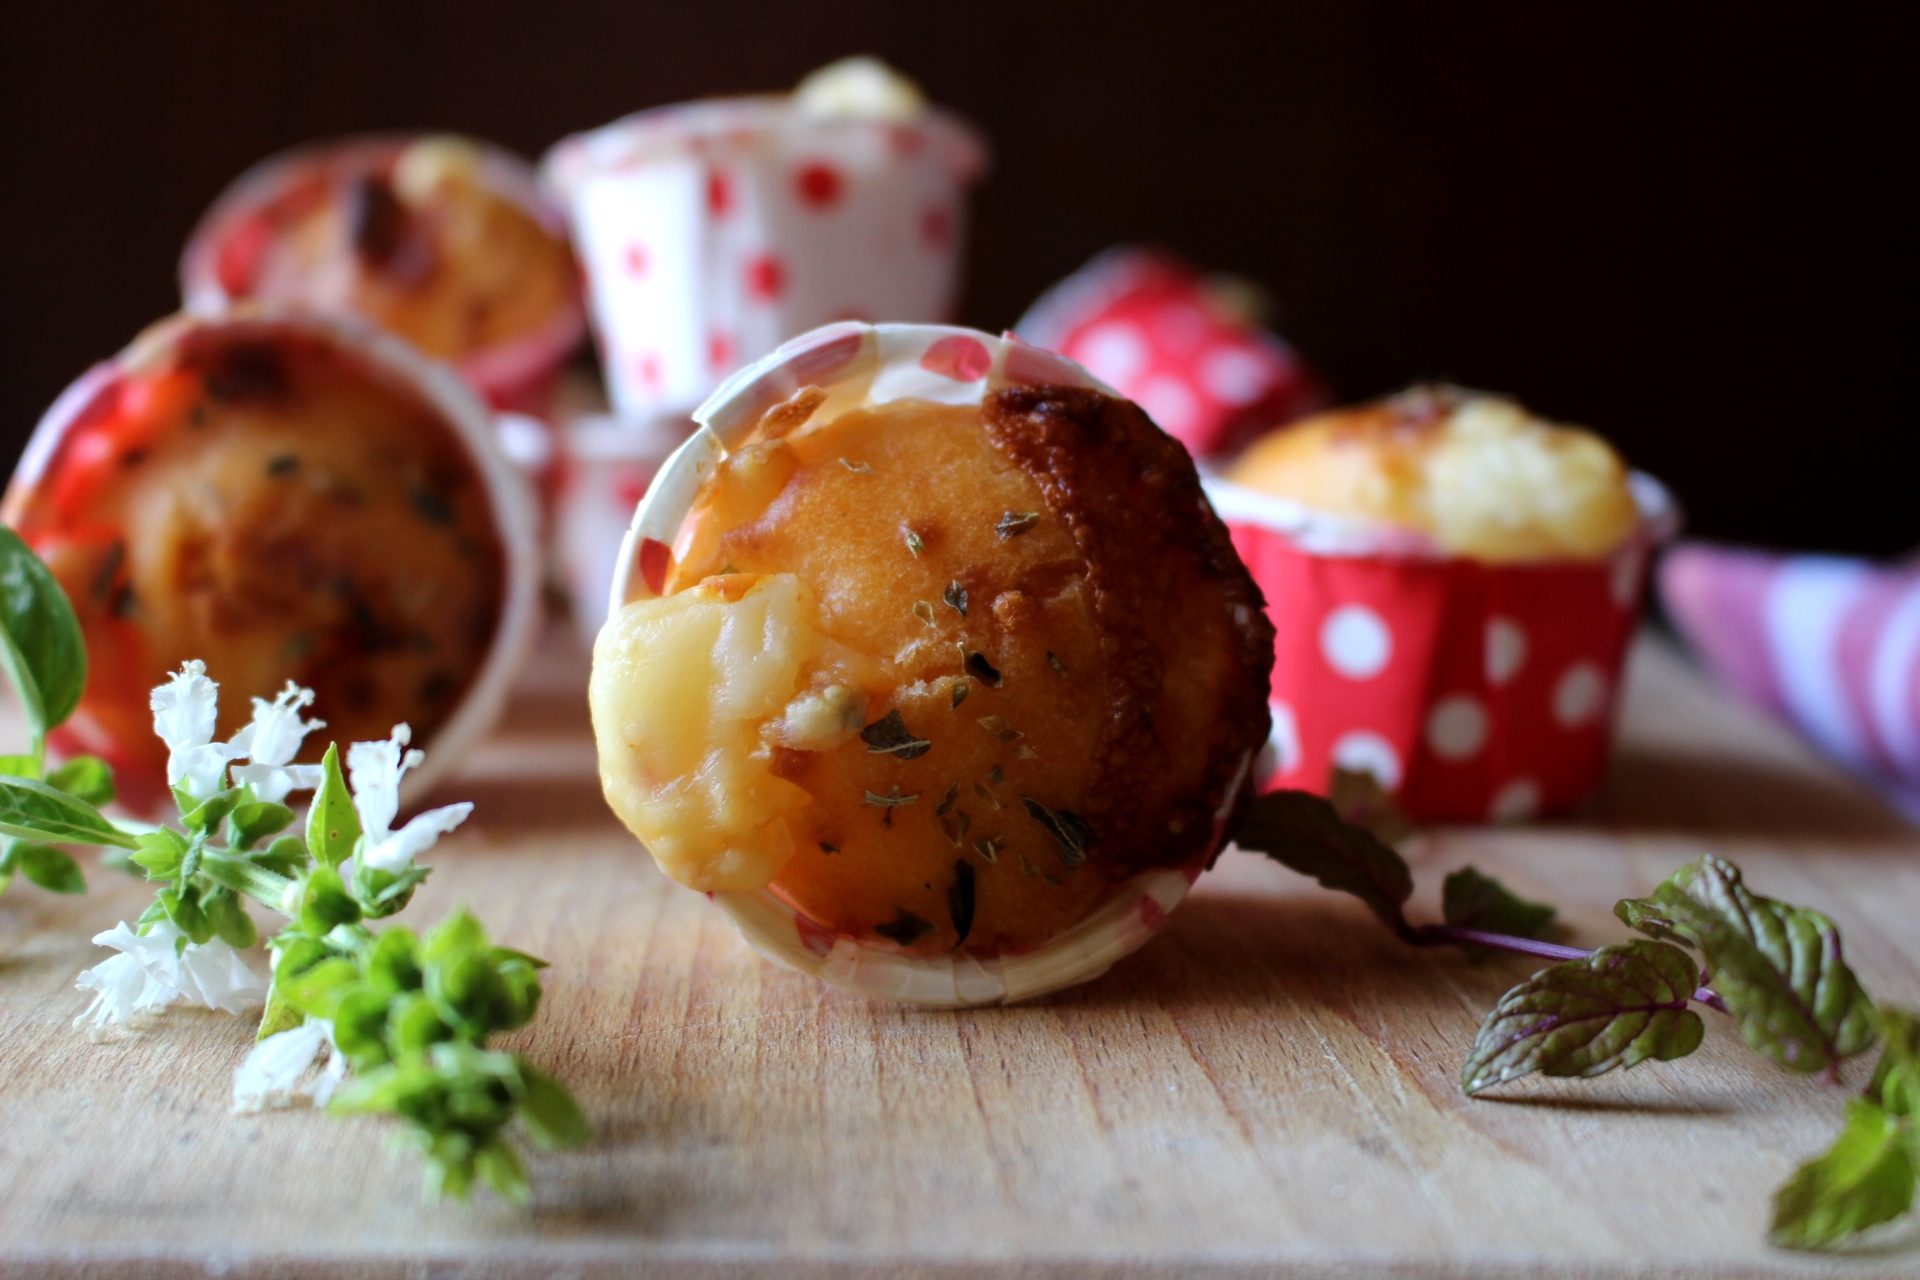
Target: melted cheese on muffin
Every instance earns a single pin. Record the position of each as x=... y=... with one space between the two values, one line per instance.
x=1475 y=473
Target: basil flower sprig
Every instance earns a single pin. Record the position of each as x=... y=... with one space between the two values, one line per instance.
x=1776 y=970
x=45 y=661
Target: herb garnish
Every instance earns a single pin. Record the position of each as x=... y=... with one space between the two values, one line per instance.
x=829 y=848
x=947 y=801
x=923 y=611
x=990 y=848
x=890 y=800
x=981 y=791
x=858 y=468
x=1015 y=523
x=960 y=900
x=1068 y=828
x=997 y=726
x=1053 y=660
x=1025 y=752
x=905 y=928
x=915 y=543
x=995 y=777
x=956 y=597
x=889 y=736
x=955 y=826
x=961 y=688
x=978 y=664
x=1776 y=969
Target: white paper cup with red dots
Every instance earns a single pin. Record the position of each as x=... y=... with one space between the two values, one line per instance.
x=874 y=364
x=711 y=232
x=1473 y=692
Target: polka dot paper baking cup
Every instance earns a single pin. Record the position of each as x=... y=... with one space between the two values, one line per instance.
x=217 y=267
x=1474 y=692
x=712 y=231
x=858 y=365
x=1147 y=323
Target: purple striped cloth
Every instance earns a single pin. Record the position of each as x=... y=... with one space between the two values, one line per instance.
x=1830 y=644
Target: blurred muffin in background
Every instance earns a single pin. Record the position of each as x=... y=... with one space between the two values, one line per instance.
x=1475 y=473
x=439 y=239
x=1454 y=583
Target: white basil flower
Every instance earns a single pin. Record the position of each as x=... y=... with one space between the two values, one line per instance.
x=271 y=1075
x=153 y=971
x=376 y=769
x=272 y=740
x=185 y=710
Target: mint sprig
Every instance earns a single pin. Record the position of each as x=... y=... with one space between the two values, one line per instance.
x=1779 y=968
x=1617 y=1007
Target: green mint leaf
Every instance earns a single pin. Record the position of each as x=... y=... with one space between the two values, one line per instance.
x=1778 y=967
x=1470 y=900
x=1616 y=1008
x=1896 y=1077
x=333 y=828
x=33 y=811
x=552 y=1117
x=1358 y=797
x=1865 y=1178
x=41 y=648
x=50 y=868
x=1304 y=833
x=255 y=820
x=88 y=777
x=20 y=766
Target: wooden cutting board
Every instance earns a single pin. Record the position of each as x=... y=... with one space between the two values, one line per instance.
x=1266 y=1090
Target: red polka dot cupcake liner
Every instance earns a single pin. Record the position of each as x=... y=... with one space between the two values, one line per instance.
x=711 y=232
x=1473 y=692
x=218 y=264
x=1147 y=323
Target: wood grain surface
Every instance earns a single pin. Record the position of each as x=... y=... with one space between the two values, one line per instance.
x=1269 y=1089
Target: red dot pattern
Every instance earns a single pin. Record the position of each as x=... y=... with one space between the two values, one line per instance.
x=818 y=185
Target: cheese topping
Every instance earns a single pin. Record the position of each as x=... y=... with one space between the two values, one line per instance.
x=682 y=688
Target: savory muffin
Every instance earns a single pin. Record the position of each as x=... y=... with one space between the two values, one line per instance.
x=420 y=237
x=937 y=675
x=254 y=494
x=1475 y=473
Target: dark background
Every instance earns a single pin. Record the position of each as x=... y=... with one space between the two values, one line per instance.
x=1685 y=226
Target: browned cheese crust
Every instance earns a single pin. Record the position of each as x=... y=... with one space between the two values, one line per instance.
x=1184 y=628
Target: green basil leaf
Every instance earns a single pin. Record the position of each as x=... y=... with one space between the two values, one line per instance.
x=20 y=766
x=552 y=1116
x=333 y=827
x=50 y=868
x=88 y=777
x=1615 y=1008
x=1778 y=967
x=498 y=1167
x=319 y=990
x=41 y=648
x=1304 y=833
x=207 y=814
x=230 y=920
x=160 y=852
x=1470 y=900
x=33 y=811
x=286 y=856
x=325 y=902
x=1865 y=1178
x=258 y=819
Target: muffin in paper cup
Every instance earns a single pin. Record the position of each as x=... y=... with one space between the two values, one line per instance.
x=285 y=496
x=712 y=231
x=446 y=241
x=998 y=837
x=1473 y=688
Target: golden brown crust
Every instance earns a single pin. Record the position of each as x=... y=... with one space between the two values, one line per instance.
x=1158 y=561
